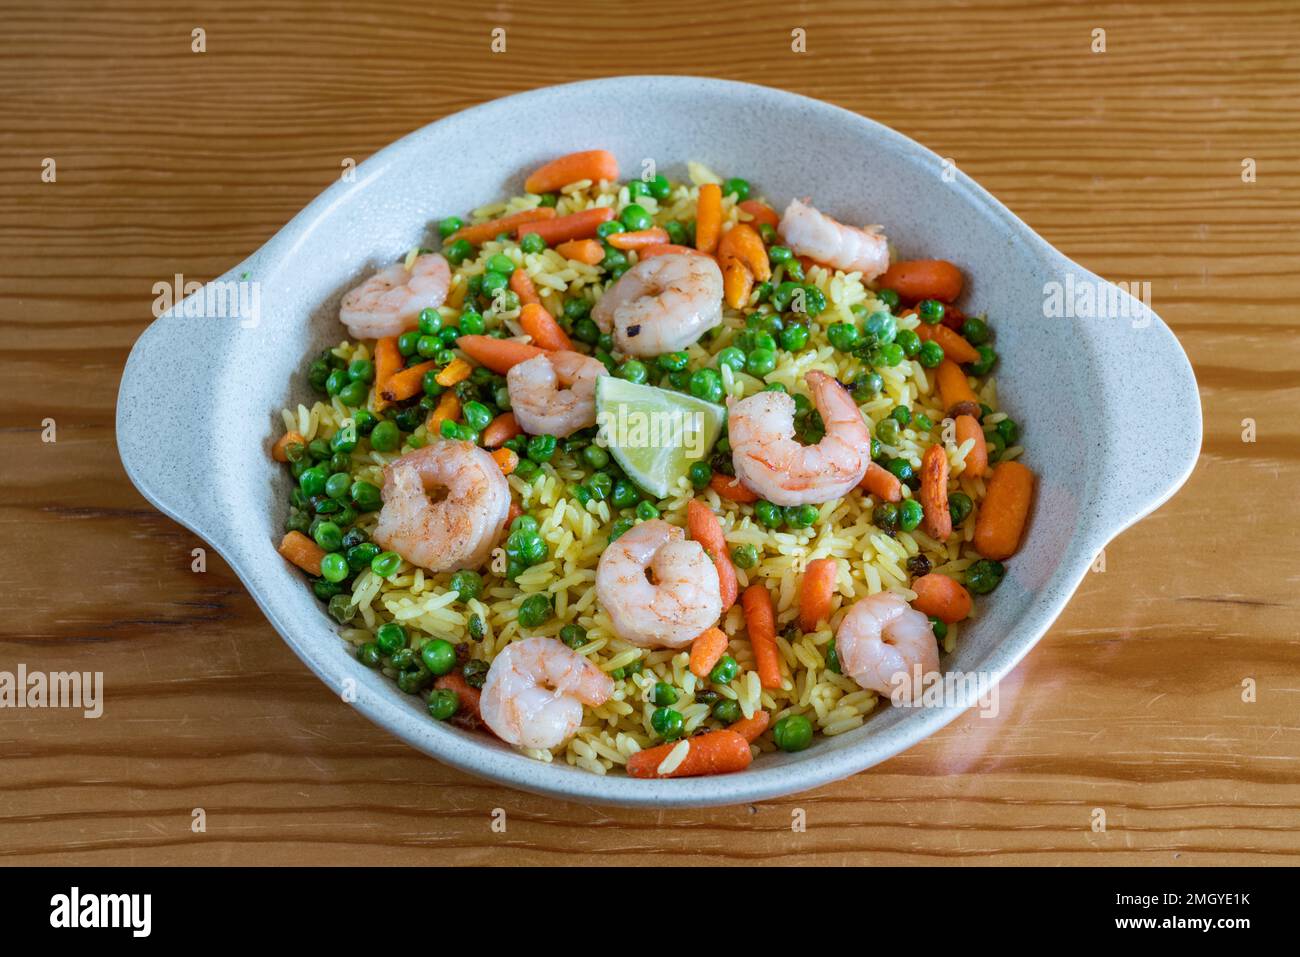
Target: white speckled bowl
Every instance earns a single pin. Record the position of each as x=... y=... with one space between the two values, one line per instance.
x=1111 y=413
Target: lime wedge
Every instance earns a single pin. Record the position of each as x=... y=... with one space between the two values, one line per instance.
x=655 y=434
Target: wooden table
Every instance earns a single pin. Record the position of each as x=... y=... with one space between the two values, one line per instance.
x=172 y=161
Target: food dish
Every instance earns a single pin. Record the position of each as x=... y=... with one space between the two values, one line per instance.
x=580 y=566
x=1116 y=417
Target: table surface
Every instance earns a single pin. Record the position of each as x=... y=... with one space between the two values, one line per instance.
x=170 y=161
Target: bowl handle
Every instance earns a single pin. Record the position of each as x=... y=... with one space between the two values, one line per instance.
x=1149 y=399
x=167 y=394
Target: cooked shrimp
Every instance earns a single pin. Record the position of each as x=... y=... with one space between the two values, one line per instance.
x=458 y=531
x=534 y=692
x=662 y=304
x=390 y=301
x=881 y=640
x=814 y=234
x=771 y=462
x=555 y=394
x=659 y=590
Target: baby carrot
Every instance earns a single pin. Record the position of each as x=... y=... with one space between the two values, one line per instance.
x=937 y=520
x=742 y=242
x=731 y=489
x=703 y=527
x=506 y=459
x=737 y=283
x=763 y=214
x=952 y=316
x=500 y=430
x=541 y=325
x=958 y=398
x=717 y=752
x=955 y=347
x=708 y=218
x=582 y=250
x=665 y=249
x=447 y=410
x=816 y=592
x=1004 y=510
x=923 y=279
x=706 y=650
x=512 y=513
x=302 y=551
x=581 y=225
x=751 y=728
x=639 y=239
x=882 y=483
x=388 y=360
x=523 y=287
x=278 y=451
x=457 y=370
x=482 y=232
x=938 y=596
x=594 y=165
x=405 y=384
x=468 y=714
x=760 y=622
x=499 y=355
x=977 y=459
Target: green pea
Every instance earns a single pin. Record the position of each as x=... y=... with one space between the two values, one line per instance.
x=930 y=311
x=667 y=723
x=336 y=381
x=312 y=481
x=908 y=341
x=700 y=474
x=635 y=217
x=780 y=254
x=471 y=323
x=833 y=658
x=975 y=331
x=768 y=515
x=885 y=516
x=985 y=363
x=888 y=431
x=624 y=494
x=414 y=680
x=385 y=564
x=727 y=711
x=524 y=523
x=889 y=355
x=443 y=702
x=733 y=357
x=760 y=362
x=745 y=556
x=659 y=187
x=706 y=384
x=501 y=263
x=369 y=654
x=438 y=655
x=737 y=186
x=984 y=576
x=611 y=228
x=663 y=694
x=1009 y=431
x=633 y=371
x=800 y=516
x=910 y=514
x=930 y=354
x=364 y=421
x=458 y=251
x=337 y=485
x=646 y=511
x=541 y=448
x=385 y=437
x=843 y=336
x=361 y=555
x=527 y=470
x=940 y=629
x=535 y=610
x=532 y=243
x=794 y=732
x=620 y=527
x=467 y=584
x=325 y=590
x=794 y=337
x=725 y=671
x=959 y=507
x=328 y=536
x=595 y=457
x=334 y=567
x=354 y=394
x=575 y=636
x=449 y=225
x=673 y=361
x=901 y=414
x=406 y=342
x=902 y=470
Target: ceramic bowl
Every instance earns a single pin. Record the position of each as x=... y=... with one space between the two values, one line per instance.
x=1109 y=405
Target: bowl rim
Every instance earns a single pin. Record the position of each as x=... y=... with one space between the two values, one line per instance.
x=757 y=783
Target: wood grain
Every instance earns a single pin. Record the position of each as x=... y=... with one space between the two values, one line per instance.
x=171 y=161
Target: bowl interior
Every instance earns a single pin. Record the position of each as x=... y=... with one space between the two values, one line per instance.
x=222 y=483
